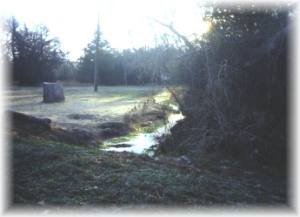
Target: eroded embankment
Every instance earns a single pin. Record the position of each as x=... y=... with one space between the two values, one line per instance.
x=145 y=116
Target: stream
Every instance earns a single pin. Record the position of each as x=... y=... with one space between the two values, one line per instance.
x=141 y=143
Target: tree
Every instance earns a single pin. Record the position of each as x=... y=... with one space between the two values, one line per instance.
x=96 y=58
x=66 y=71
x=237 y=91
x=106 y=64
x=33 y=54
x=130 y=67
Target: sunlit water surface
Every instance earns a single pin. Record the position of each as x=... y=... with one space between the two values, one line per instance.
x=144 y=141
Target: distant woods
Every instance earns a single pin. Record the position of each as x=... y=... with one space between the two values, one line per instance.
x=35 y=57
x=129 y=67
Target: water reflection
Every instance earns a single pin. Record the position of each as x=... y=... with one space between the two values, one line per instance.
x=143 y=141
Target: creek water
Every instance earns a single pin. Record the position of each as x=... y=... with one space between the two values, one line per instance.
x=142 y=142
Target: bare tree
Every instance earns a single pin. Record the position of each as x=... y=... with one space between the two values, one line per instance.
x=96 y=57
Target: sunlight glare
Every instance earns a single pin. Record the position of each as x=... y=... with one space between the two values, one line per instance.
x=203 y=28
x=124 y=24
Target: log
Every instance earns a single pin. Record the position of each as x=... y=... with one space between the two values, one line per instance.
x=53 y=92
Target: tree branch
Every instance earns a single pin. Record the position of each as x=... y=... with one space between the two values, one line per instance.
x=172 y=29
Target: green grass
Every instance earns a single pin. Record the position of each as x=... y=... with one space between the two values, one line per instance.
x=109 y=103
x=63 y=174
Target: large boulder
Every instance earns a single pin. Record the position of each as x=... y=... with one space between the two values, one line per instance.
x=53 y=92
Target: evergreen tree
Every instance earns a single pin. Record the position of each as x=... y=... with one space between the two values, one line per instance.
x=34 y=55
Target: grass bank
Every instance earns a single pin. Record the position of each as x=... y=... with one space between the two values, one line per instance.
x=60 y=174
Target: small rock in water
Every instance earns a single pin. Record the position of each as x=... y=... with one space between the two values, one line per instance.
x=184 y=159
x=121 y=145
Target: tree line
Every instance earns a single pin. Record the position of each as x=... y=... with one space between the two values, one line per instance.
x=35 y=57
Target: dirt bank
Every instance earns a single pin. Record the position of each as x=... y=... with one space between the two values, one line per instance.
x=143 y=115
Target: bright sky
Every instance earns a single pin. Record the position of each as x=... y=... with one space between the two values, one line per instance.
x=124 y=24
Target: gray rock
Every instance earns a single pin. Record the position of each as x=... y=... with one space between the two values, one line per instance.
x=184 y=159
x=53 y=92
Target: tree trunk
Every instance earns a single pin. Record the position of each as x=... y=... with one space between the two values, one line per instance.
x=53 y=92
x=96 y=58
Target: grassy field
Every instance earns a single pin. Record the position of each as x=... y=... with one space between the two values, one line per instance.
x=49 y=173
x=108 y=104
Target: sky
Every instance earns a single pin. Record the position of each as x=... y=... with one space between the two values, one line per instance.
x=124 y=24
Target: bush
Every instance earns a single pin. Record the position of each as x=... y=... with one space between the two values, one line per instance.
x=237 y=95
